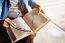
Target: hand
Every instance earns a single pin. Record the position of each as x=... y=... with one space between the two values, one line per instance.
x=38 y=10
x=9 y=23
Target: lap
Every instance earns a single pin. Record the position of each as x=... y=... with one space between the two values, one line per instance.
x=4 y=38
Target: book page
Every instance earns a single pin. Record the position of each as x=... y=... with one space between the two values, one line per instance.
x=34 y=20
x=19 y=34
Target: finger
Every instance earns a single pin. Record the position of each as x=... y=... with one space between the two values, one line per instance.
x=10 y=22
x=12 y=27
x=5 y=24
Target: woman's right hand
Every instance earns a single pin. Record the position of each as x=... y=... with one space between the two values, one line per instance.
x=9 y=23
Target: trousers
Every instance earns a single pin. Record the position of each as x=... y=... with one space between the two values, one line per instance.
x=4 y=38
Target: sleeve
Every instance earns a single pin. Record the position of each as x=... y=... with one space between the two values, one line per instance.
x=4 y=11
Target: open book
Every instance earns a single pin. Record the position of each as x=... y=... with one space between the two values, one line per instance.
x=22 y=30
x=31 y=22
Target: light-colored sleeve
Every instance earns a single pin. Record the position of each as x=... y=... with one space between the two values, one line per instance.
x=14 y=12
